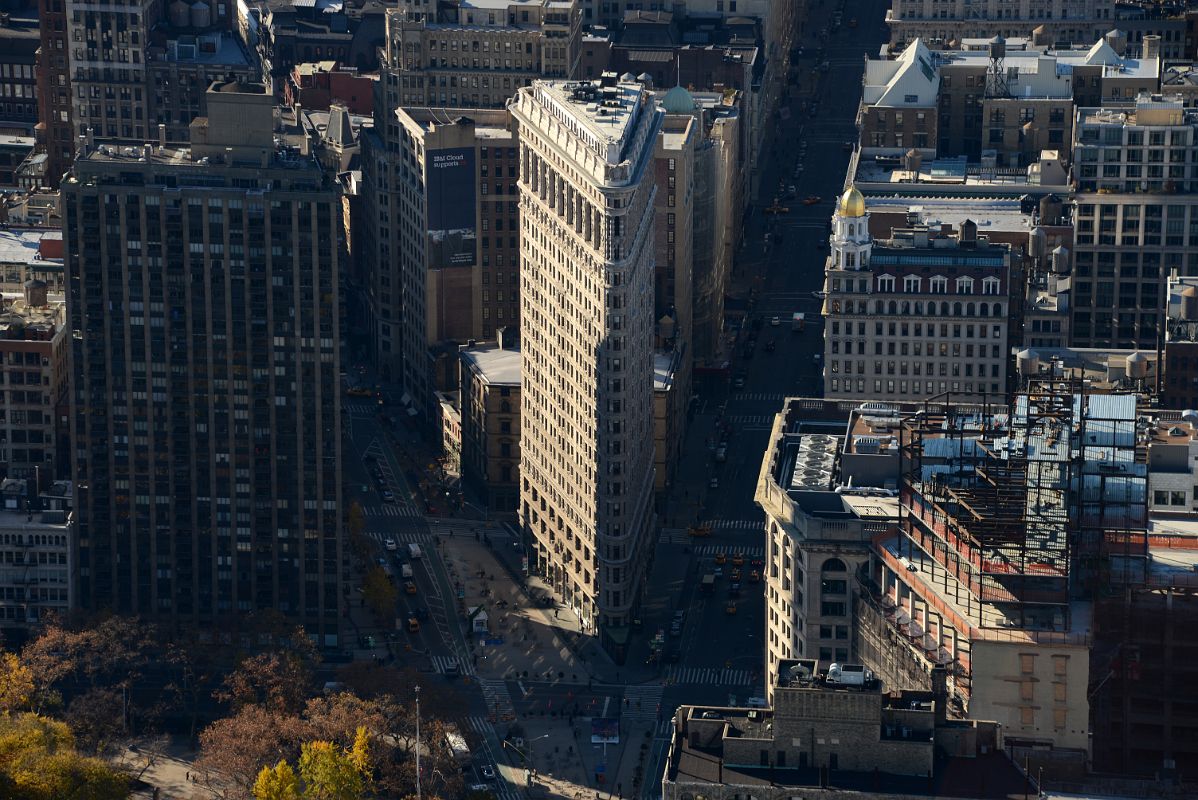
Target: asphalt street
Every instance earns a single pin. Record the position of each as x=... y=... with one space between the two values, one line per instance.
x=716 y=656
x=721 y=655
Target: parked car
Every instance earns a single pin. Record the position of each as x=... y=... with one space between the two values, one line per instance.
x=390 y=544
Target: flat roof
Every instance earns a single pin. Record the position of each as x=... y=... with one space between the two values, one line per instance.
x=605 y=118
x=990 y=213
x=11 y=519
x=498 y=366
x=20 y=246
x=1062 y=61
x=663 y=372
x=866 y=507
x=228 y=51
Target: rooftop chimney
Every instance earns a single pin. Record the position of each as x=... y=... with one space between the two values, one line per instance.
x=1152 y=47
x=162 y=135
x=940 y=693
x=507 y=337
x=969 y=233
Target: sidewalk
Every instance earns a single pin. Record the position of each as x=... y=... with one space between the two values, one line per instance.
x=569 y=766
x=170 y=771
x=522 y=641
x=591 y=657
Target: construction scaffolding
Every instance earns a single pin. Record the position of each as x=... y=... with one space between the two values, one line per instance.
x=1023 y=504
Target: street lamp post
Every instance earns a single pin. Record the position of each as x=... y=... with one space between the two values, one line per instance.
x=531 y=767
x=531 y=763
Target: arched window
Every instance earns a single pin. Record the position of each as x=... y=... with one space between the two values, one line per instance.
x=852 y=229
x=931 y=308
x=833 y=565
x=969 y=310
x=892 y=307
x=998 y=309
x=956 y=309
x=505 y=407
x=919 y=307
x=984 y=309
x=907 y=307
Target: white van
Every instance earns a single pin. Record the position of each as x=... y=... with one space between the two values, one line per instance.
x=406 y=570
x=413 y=551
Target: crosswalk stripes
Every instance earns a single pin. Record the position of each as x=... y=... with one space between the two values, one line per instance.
x=504 y=788
x=442 y=663
x=499 y=699
x=712 y=550
x=479 y=725
x=739 y=524
x=761 y=396
x=712 y=676
x=643 y=702
x=750 y=419
x=674 y=536
x=391 y=510
x=401 y=537
x=360 y=407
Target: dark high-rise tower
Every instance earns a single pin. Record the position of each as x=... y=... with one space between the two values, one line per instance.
x=202 y=290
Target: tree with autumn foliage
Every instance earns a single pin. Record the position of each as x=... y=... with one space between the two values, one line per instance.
x=277 y=783
x=38 y=761
x=380 y=593
x=16 y=684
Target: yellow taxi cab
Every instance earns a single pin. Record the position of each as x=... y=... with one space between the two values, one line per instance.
x=720 y=558
x=738 y=560
x=754 y=576
x=736 y=574
x=413 y=625
x=409 y=587
x=730 y=609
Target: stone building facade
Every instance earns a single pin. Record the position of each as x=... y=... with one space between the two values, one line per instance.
x=586 y=295
x=921 y=314
x=460 y=55
x=205 y=414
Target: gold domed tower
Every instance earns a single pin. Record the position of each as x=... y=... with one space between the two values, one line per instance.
x=852 y=203
x=851 y=242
